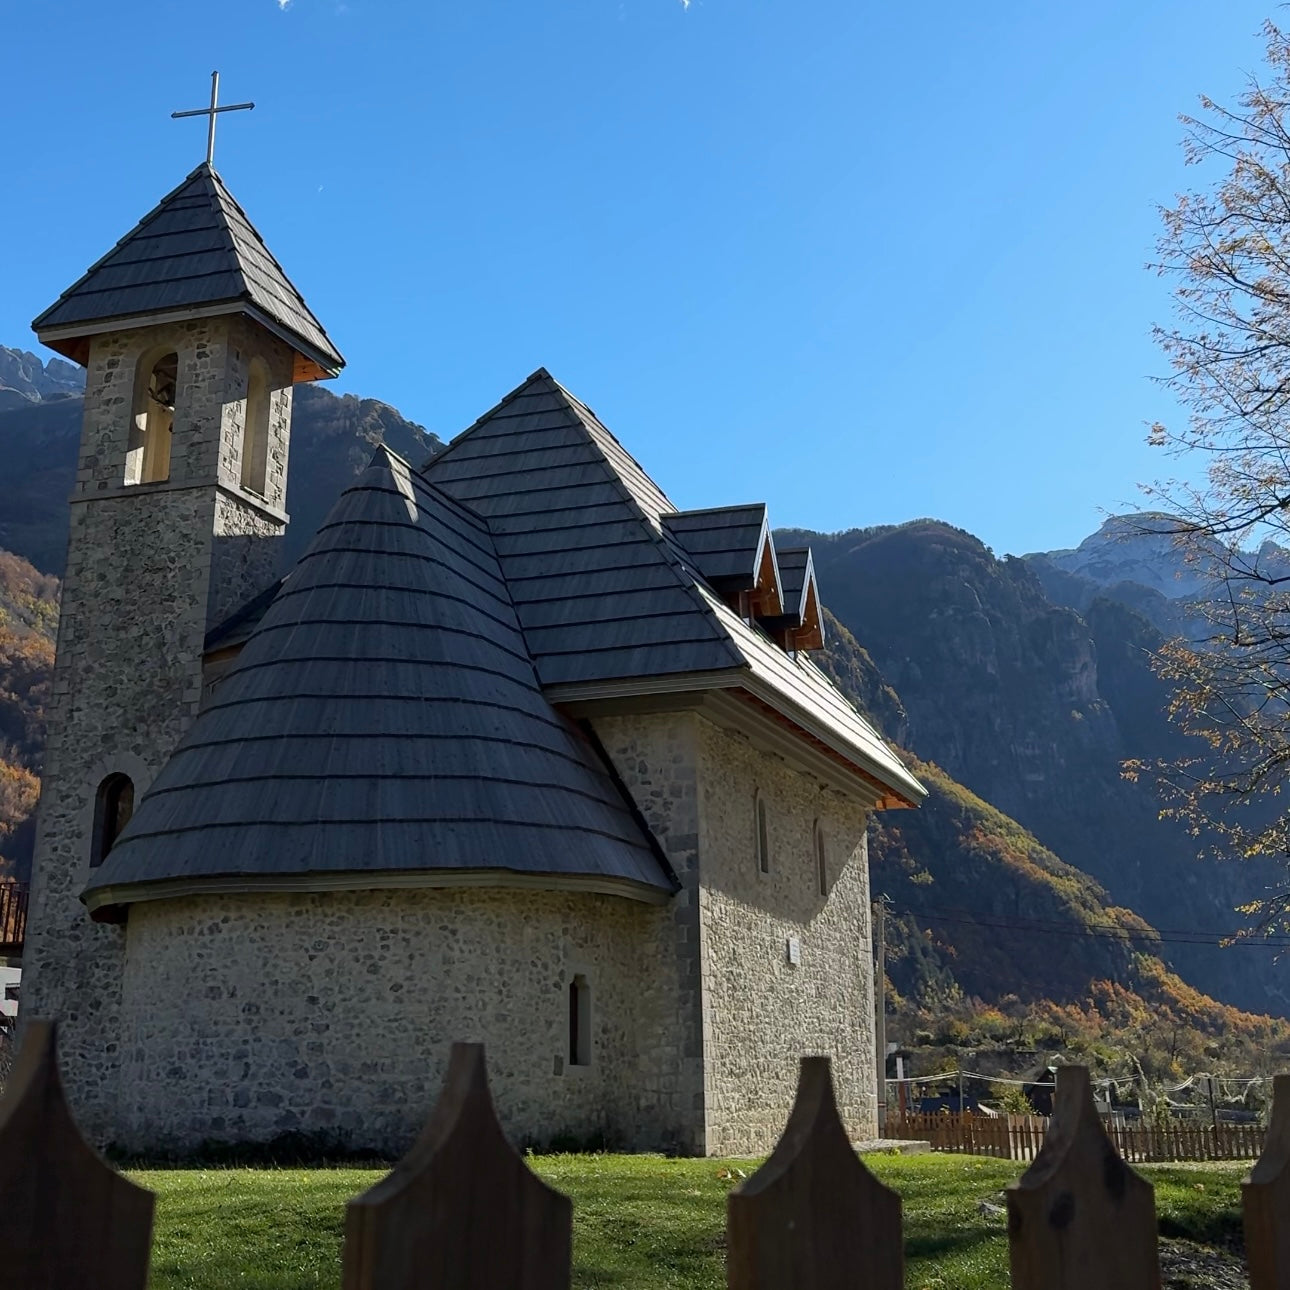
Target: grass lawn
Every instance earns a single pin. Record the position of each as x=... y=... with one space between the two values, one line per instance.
x=640 y=1222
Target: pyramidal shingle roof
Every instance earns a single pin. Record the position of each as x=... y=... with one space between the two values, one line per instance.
x=598 y=589
x=384 y=726
x=196 y=250
x=610 y=601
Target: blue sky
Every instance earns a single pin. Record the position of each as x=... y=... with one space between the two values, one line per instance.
x=865 y=262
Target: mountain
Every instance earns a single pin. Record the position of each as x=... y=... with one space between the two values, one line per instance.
x=25 y=379
x=1033 y=706
x=1138 y=549
x=1000 y=952
x=332 y=439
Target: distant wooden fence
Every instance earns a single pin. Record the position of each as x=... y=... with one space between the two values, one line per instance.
x=1006 y=1137
x=463 y=1212
x=1019 y=1137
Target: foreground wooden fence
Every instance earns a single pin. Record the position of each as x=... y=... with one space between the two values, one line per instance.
x=1019 y=1137
x=463 y=1212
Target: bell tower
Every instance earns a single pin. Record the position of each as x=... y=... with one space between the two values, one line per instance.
x=192 y=338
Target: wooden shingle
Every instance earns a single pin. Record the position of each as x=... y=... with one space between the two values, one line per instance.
x=196 y=250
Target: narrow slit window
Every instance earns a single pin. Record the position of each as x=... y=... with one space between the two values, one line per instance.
x=147 y=455
x=113 y=806
x=579 y=1022
x=763 y=836
x=255 y=430
x=821 y=861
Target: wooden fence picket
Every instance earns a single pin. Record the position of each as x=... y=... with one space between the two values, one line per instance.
x=68 y=1220
x=1079 y=1216
x=813 y=1217
x=1265 y=1198
x=461 y=1209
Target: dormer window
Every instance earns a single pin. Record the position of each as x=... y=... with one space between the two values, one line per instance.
x=732 y=550
x=147 y=456
x=799 y=626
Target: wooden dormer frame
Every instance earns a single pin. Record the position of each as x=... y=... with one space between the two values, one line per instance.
x=766 y=596
x=800 y=626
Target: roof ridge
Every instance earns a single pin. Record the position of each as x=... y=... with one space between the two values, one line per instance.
x=224 y=192
x=655 y=532
x=541 y=374
x=419 y=481
x=717 y=510
x=215 y=187
x=581 y=410
x=119 y=243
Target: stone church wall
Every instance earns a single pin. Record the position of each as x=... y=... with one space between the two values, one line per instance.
x=761 y=1011
x=746 y=1015
x=245 y=1016
x=656 y=757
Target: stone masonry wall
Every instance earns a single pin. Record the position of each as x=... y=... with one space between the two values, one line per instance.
x=762 y=1012
x=137 y=600
x=656 y=757
x=248 y=1016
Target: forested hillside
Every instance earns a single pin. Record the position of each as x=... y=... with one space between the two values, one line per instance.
x=1034 y=707
x=999 y=948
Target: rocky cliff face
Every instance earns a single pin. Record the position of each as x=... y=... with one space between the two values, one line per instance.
x=1034 y=707
x=25 y=379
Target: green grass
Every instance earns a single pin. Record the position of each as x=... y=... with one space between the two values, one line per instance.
x=640 y=1222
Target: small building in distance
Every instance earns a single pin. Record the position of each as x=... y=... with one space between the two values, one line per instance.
x=516 y=752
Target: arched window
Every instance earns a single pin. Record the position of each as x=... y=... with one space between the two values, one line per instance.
x=113 y=806
x=763 y=836
x=821 y=861
x=579 y=1022
x=147 y=456
x=255 y=429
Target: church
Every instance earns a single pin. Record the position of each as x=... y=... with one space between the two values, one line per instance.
x=516 y=752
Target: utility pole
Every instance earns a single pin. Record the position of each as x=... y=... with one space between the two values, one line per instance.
x=880 y=1007
x=1213 y=1108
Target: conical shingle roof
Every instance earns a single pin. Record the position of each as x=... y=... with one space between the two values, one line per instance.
x=196 y=250
x=384 y=726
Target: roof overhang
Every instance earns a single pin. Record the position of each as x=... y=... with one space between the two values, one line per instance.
x=107 y=904
x=739 y=699
x=72 y=340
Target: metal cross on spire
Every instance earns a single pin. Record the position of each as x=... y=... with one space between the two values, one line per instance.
x=212 y=112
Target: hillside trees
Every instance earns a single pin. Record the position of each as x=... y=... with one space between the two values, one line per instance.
x=1226 y=248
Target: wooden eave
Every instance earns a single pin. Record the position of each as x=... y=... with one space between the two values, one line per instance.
x=73 y=339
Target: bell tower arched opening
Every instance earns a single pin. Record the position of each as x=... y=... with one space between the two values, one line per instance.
x=147 y=457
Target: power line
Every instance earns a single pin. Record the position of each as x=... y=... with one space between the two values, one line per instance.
x=1098 y=931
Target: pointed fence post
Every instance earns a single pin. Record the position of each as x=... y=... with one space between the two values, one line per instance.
x=1079 y=1217
x=813 y=1217
x=1265 y=1197
x=68 y=1220
x=461 y=1210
